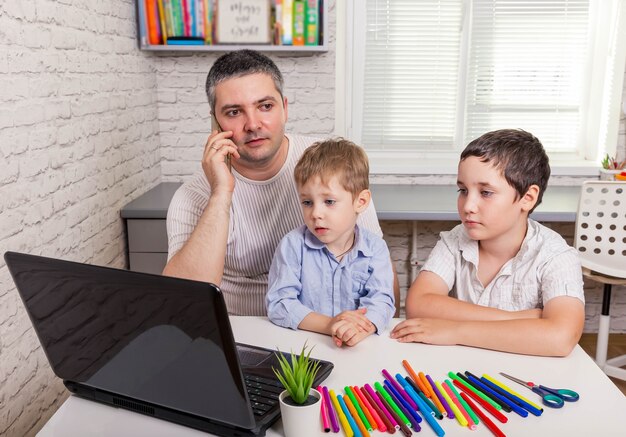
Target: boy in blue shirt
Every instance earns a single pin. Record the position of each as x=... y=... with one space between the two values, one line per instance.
x=330 y=275
x=499 y=280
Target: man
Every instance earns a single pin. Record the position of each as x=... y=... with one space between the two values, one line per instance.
x=223 y=226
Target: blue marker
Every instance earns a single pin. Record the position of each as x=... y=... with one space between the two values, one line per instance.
x=508 y=402
x=430 y=418
x=522 y=403
x=411 y=414
x=353 y=425
x=413 y=394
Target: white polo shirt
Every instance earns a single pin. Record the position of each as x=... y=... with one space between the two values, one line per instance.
x=544 y=268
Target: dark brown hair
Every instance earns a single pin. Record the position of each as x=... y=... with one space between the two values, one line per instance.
x=518 y=155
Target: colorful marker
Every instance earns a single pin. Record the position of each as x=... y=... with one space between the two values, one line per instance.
x=403 y=427
x=382 y=406
x=441 y=397
x=355 y=416
x=342 y=417
x=488 y=423
x=498 y=396
x=409 y=412
x=379 y=389
x=463 y=403
x=324 y=411
x=357 y=408
x=503 y=406
x=511 y=397
x=346 y=412
x=430 y=418
x=399 y=389
x=331 y=411
x=413 y=394
x=367 y=410
x=427 y=401
x=486 y=405
x=468 y=420
x=465 y=383
x=459 y=417
x=389 y=427
x=513 y=392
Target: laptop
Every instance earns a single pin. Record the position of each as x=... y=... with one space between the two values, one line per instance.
x=152 y=344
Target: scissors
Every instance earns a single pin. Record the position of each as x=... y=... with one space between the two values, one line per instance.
x=552 y=397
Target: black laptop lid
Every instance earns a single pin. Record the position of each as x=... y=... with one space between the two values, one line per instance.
x=161 y=340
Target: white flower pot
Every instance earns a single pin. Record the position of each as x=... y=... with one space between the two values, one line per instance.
x=608 y=175
x=301 y=421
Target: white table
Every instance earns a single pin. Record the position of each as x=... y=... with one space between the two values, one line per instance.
x=599 y=412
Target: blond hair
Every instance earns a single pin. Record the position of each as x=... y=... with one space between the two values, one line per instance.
x=334 y=157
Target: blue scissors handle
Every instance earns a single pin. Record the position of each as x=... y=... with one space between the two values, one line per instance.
x=555 y=398
x=566 y=394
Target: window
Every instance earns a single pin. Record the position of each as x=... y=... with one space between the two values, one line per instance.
x=418 y=80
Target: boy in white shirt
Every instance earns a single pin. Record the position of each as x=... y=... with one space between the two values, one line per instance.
x=499 y=280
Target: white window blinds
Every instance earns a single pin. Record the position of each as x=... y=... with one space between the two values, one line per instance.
x=527 y=69
x=423 y=78
x=411 y=73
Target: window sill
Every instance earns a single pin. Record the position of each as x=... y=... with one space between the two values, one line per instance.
x=398 y=163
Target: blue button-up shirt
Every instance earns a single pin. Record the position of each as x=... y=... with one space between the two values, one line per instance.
x=306 y=277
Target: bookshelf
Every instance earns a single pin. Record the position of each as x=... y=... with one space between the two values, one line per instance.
x=158 y=8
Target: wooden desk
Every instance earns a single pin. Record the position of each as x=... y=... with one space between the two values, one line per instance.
x=598 y=412
x=147 y=236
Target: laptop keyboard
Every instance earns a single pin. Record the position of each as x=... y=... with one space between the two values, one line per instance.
x=263 y=393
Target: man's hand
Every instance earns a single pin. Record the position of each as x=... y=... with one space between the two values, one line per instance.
x=217 y=148
x=431 y=331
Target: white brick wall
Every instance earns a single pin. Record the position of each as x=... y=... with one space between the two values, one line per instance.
x=78 y=140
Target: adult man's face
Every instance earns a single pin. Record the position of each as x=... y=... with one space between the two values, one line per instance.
x=252 y=108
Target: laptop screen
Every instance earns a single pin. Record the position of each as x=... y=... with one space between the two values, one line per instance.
x=157 y=339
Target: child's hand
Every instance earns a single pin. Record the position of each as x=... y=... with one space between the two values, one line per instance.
x=357 y=317
x=349 y=333
x=432 y=331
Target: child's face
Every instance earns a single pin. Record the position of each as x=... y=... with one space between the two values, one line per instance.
x=488 y=206
x=330 y=212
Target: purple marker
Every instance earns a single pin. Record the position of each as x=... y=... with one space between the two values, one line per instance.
x=383 y=408
x=400 y=390
x=441 y=398
x=331 y=411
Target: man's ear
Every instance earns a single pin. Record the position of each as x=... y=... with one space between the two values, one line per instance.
x=285 y=106
x=362 y=200
x=529 y=200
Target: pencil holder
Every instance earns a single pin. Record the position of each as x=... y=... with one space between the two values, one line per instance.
x=301 y=420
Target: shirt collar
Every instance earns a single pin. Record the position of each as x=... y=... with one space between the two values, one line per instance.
x=312 y=242
x=469 y=247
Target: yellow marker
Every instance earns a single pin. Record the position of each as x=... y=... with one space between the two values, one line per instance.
x=342 y=417
x=505 y=388
x=457 y=413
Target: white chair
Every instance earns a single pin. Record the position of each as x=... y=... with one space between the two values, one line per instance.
x=601 y=242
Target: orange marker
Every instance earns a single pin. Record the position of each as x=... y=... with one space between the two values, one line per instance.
x=355 y=416
x=367 y=409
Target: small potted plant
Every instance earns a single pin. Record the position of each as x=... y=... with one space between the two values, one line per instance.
x=612 y=169
x=299 y=402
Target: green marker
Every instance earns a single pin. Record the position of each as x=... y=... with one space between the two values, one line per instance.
x=478 y=392
x=350 y=394
x=392 y=404
x=462 y=401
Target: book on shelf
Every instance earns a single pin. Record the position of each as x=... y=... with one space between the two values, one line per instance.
x=199 y=22
x=311 y=26
x=298 y=23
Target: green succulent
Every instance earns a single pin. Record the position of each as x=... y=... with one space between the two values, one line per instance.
x=297 y=377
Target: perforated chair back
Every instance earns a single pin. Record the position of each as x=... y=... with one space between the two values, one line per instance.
x=601 y=227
